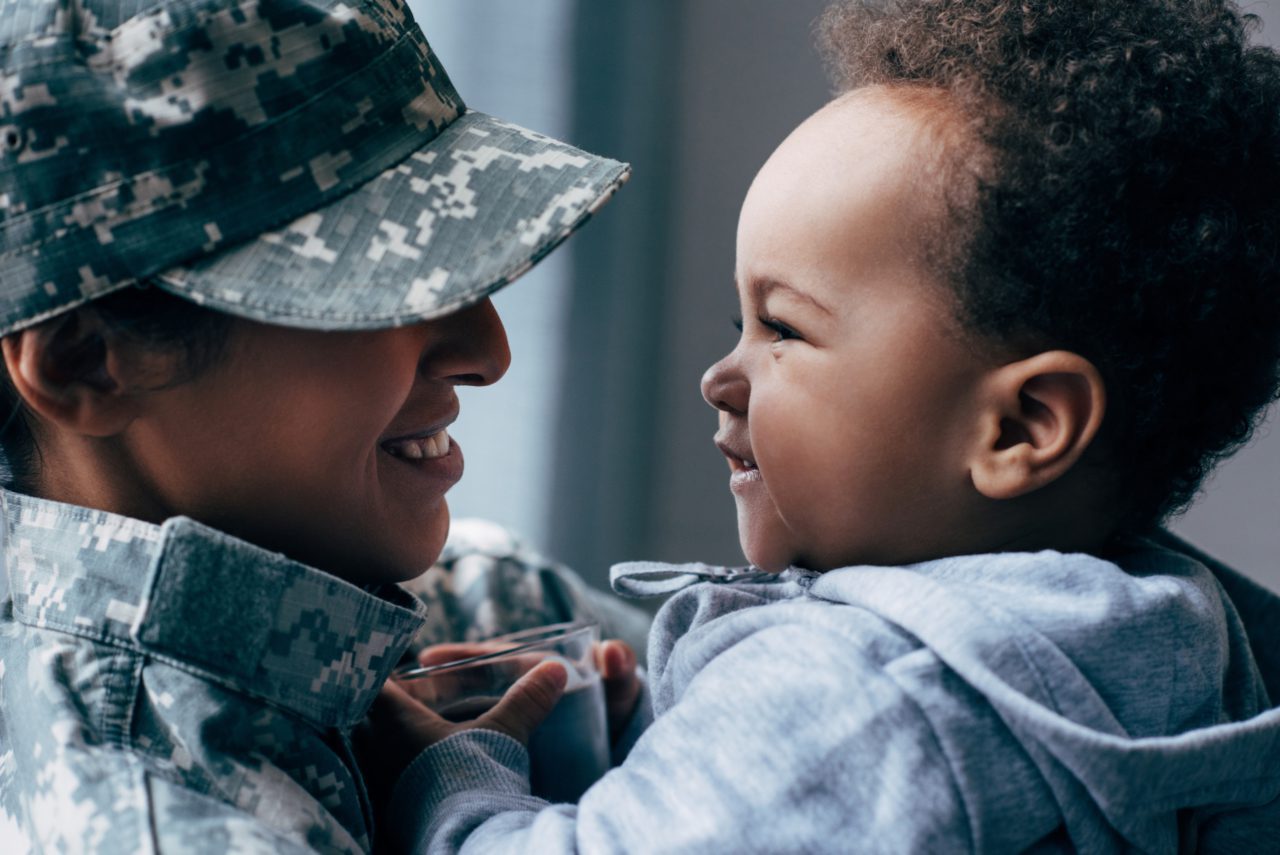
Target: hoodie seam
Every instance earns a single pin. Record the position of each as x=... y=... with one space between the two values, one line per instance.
x=935 y=739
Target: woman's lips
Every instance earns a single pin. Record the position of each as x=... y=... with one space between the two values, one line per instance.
x=436 y=458
x=420 y=447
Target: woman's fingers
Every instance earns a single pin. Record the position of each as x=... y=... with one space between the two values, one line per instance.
x=438 y=654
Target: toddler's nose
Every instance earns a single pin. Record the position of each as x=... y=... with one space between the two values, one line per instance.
x=724 y=387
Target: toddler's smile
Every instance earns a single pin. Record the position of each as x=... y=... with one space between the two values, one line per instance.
x=742 y=466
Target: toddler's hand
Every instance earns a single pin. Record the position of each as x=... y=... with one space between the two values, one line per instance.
x=616 y=662
x=400 y=727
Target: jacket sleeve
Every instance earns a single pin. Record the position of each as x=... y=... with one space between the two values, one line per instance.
x=790 y=739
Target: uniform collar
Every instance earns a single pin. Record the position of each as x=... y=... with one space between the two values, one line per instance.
x=246 y=618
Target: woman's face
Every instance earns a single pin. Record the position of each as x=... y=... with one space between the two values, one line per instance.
x=331 y=447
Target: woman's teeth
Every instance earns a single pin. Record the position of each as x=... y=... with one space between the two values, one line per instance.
x=424 y=448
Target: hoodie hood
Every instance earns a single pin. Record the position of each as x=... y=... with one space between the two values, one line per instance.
x=1125 y=734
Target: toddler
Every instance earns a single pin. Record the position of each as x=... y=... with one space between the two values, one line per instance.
x=1005 y=301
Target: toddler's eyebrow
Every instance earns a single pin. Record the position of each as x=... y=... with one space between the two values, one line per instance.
x=762 y=287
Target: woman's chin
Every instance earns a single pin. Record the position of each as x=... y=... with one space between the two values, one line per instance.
x=391 y=562
x=408 y=559
x=387 y=571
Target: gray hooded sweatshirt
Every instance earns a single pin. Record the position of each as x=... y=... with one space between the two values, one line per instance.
x=990 y=703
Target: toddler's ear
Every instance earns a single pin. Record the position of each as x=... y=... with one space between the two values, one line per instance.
x=67 y=371
x=1038 y=416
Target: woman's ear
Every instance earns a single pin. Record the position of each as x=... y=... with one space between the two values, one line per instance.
x=67 y=371
x=1039 y=415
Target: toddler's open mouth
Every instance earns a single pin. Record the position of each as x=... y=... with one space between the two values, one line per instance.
x=741 y=466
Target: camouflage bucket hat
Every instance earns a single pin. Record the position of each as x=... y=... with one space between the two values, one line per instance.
x=298 y=162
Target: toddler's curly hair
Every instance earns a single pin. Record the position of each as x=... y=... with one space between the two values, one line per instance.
x=1118 y=196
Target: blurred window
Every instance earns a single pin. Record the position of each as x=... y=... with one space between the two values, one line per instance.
x=510 y=58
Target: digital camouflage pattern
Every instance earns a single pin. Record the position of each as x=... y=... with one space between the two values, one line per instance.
x=173 y=689
x=486 y=583
x=301 y=162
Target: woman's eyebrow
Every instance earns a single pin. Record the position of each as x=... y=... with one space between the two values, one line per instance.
x=762 y=287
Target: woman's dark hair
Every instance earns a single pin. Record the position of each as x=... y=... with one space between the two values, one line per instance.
x=1119 y=197
x=146 y=315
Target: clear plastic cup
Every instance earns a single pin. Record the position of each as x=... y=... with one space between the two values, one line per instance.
x=570 y=750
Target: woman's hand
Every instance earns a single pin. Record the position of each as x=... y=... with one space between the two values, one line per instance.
x=400 y=727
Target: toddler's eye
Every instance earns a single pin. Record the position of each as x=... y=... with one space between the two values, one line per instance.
x=781 y=331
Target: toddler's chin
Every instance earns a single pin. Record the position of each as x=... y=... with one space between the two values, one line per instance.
x=762 y=556
x=763 y=541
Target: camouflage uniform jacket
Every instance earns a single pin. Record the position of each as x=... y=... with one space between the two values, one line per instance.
x=173 y=689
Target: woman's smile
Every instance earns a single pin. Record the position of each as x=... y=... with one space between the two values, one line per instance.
x=331 y=447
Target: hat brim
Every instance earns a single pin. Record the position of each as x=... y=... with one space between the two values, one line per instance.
x=458 y=219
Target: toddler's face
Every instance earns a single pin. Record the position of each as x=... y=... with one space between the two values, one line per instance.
x=849 y=402
x=315 y=443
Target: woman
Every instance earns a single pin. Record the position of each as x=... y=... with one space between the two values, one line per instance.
x=246 y=250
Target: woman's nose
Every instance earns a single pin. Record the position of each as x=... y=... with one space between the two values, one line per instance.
x=475 y=351
x=724 y=387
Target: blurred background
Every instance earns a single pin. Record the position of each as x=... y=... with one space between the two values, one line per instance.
x=596 y=447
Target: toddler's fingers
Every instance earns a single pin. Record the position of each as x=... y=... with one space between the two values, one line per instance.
x=397 y=730
x=528 y=702
x=617 y=663
x=398 y=712
x=616 y=660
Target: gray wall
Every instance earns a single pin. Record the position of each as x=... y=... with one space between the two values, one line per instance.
x=1237 y=516
x=750 y=74
x=508 y=59
x=696 y=95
